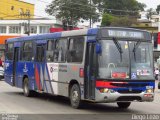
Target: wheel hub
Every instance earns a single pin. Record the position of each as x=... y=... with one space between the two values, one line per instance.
x=75 y=96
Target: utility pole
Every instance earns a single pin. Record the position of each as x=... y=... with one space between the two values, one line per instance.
x=90 y=21
x=28 y=15
x=26 y=25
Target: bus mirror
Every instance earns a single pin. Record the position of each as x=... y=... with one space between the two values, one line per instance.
x=98 y=48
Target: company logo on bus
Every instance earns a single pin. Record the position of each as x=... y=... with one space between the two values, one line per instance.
x=25 y=69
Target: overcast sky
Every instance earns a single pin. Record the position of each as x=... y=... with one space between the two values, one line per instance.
x=40 y=5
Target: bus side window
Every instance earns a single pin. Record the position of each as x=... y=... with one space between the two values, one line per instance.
x=9 y=51
x=40 y=53
x=27 y=53
x=60 y=50
x=50 y=49
x=76 y=48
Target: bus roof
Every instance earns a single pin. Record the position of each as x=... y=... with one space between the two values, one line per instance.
x=81 y=32
x=55 y=35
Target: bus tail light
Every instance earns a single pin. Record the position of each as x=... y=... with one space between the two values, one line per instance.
x=81 y=72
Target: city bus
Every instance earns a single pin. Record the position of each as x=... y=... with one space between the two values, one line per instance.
x=99 y=65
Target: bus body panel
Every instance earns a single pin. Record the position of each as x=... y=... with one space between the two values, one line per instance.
x=61 y=74
x=24 y=69
x=9 y=72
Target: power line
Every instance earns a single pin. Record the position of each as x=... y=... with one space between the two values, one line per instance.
x=34 y=9
x=26 y=19
x=17 y=16
x=84 y=10
x=43 y=1
x=94 y=6
x=84 y=6
x=91 y=12
x=118 y=10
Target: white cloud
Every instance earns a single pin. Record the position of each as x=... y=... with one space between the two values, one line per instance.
x=150 y=3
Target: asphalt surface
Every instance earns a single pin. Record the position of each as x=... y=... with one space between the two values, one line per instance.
x=13 y=104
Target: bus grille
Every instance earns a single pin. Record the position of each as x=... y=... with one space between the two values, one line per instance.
x=129 y=98
x=129 y=91
x=130 y=84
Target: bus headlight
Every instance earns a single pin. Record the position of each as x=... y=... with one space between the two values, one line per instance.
x=106 y=90
x=149 y=90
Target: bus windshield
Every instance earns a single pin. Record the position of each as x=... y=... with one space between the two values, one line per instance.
x=130 y=60
x=141 y=60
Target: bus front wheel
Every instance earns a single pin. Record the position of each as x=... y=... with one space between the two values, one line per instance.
x=26 y=90
x=75 y=96
x=123 y=105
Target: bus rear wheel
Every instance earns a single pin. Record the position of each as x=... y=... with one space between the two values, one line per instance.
x=26 y=90
x=75 y=96
x=123 y=105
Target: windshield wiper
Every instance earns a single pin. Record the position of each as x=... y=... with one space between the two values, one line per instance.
x=135 y=48
x=118 y=45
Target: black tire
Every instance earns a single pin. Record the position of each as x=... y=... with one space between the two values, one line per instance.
x=75 y=96
x=158 y=85
x=26 y=91
x=123 y=105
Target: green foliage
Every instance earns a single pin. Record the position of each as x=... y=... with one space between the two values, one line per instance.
x=110 y=20
x=122 y=5
x=123 y=22
x=119 y=9
x=107 y=19
x=72 y=10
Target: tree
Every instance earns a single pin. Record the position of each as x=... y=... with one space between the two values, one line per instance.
x=119 y=12
x=72 y=10
x=99 y=4
x=158 y=9
x=150 y=12
x=107 y=19
x=110 y=20
x=141 y=6
x=120 y=7
x=123 y=22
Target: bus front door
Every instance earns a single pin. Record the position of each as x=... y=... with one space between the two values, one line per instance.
x=15 y=60
x=90 y=72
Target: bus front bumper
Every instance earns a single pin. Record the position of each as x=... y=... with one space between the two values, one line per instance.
x=116 y=97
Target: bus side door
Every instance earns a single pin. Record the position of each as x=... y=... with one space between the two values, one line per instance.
x=15 y=66
x=90 y=72
x=39 y=65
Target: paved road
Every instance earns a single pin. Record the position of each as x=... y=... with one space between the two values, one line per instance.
x=12 y=101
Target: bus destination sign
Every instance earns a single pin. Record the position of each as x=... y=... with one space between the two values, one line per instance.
x=125 y=34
